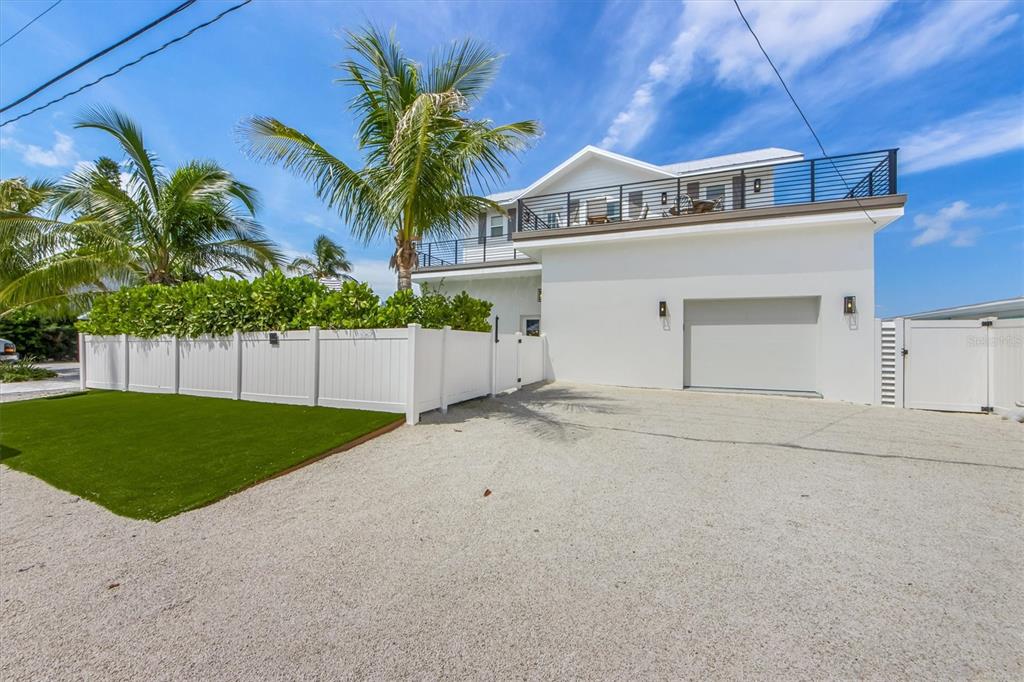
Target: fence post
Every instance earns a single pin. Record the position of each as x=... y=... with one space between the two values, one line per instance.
x=412 y=415
x=124 y=340
x=544 y=373
x=519 y=360
x=494 y=360
x=81 y=360
x=990 y=361
x=175 y=348
x=901 y=362
x=238 y=364
x=314 y=337
x=444 y=367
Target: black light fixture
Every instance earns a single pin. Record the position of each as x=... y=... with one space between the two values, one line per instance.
x=664 y=197
x=273 y=339
x=538 y=294
x=849 y=305
x=662 y=309
x=757 y=185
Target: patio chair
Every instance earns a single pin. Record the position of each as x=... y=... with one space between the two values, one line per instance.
x=597 y=211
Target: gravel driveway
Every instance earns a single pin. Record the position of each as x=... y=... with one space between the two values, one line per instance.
x=630 y=533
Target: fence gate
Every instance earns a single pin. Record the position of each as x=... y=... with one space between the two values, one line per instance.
x=951 y=365
x=946 y=365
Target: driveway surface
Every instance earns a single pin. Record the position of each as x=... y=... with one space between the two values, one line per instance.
x=629 y=534
x=66 y=381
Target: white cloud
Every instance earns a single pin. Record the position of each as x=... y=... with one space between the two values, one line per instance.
x=381 y=278
x=713 y=33
x=996 y=128
x=944 y=33
x=61 y=155
x=312 y=219
x=951 y=30
x=944 y=224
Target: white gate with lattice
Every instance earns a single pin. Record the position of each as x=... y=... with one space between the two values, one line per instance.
x=950 y=365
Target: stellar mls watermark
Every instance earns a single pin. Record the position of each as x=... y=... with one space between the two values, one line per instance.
x=993 y=341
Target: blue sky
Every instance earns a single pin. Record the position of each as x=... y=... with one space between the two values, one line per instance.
x=664 y=82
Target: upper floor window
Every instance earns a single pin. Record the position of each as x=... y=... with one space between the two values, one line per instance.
x=497 y=225
x=714 y=191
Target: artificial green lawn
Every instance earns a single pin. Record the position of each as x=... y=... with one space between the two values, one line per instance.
x=151 y=456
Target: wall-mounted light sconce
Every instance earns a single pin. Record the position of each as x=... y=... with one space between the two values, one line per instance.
x=757 y=185
x=664 y=197
x=274 y=340
x=849 y=305
x=662 y=309
x=538 y=294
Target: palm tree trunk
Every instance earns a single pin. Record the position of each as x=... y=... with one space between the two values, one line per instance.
x=405 y=261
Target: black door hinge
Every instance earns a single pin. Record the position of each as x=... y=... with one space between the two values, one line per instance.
x=987 y=408
x=520 y=340
x=986 y=323
x=904 y=352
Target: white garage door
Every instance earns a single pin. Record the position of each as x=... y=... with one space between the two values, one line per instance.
x=753 y=343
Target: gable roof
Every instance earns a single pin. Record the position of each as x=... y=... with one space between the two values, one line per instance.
x=756 y=157
x=590 y=152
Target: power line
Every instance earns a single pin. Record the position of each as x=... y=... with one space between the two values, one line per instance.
x=99 y=54
x=32 y=21
x=799 y=110
x=131 y=63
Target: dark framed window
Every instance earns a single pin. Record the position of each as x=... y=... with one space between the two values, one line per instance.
x=531 y=326
x=497 y=225
x=636 y=203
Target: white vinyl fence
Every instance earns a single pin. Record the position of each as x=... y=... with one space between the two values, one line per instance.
x=952 y=365
x=411 y=370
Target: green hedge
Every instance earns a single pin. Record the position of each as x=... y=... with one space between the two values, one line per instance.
x=40 y=336
x=273 y=301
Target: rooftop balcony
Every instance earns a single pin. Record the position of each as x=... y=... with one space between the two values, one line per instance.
x=666 y=202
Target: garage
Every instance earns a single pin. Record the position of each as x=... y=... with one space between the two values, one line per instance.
x=765 y=344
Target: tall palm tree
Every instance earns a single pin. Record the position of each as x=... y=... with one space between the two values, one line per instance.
x=148 y=226
x=21 y=250
x=423 y=157
x=329 y=260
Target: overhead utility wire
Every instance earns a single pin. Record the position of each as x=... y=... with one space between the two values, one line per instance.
x=801 y=111
x=99 y=54
x=131 y=63
x=31 y=21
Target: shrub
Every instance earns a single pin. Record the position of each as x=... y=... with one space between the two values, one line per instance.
x=273 y=301
x=24 y=370
x=40 y=335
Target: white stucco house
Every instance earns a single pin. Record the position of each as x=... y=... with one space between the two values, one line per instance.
x=751 y=271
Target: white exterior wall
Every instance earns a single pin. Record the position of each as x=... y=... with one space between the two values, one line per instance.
x=600 y=303
x=513 y=297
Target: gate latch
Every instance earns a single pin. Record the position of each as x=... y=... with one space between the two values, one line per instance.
x=904 y=352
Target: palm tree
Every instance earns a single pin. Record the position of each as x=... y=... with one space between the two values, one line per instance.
x=21 y=251
x=149 y=226
x=329 y=260
x=423 y=157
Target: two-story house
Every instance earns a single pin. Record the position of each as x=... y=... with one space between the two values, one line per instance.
x=750 y=271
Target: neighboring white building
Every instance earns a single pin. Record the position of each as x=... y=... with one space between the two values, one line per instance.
x=1005 y=309
x=730 y=272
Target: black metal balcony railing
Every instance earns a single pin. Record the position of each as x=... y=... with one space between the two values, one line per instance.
x=796 y=182
x=471 y=250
